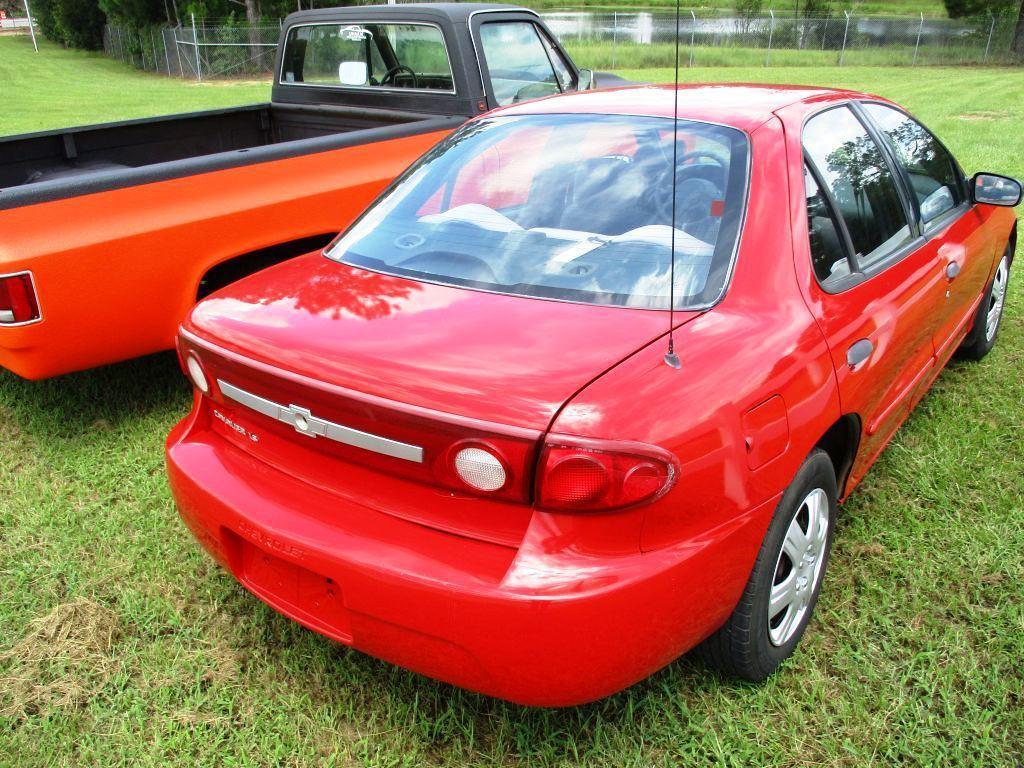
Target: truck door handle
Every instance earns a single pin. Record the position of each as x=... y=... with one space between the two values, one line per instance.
x=858 y=352
x=952 y=269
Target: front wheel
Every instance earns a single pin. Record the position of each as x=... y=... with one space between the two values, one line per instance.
x=982 y=338
x=780 y=596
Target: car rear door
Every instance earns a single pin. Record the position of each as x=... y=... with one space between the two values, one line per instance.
x=874 y=286
x=960 y=247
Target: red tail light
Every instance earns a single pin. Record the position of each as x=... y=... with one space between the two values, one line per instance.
x=18 y=302
x=590 y=475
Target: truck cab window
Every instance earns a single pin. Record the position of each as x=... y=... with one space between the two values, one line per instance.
x=367 y=56
x=518 y=62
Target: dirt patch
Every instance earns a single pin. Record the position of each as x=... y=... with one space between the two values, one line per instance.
x=981 y=115
x=63 y=659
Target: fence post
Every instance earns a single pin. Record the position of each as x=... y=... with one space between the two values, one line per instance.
x=824 y=33
x=846 y=31
x=31 y=29
x=693 y=31
x=771 y=34
x=177 y=51
x=920 y=28
x=991 y=30
x=615 y=34
x=195 y=39
x=167 y=54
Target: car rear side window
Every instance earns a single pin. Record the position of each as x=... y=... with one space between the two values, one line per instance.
x=828 y=252
x=860 y=181
x=934 y=176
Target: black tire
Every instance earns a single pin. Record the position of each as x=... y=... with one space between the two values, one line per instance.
x=742 y=647
x=978 y=342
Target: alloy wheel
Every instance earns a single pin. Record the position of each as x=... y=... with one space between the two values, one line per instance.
x=997 y=299
x=799 y=567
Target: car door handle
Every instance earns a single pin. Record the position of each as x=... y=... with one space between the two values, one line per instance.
x=952 y=269
x=858 y=352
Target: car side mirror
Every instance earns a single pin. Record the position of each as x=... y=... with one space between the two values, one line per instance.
x=993 y=189
x=352 y=73
x=586 y=80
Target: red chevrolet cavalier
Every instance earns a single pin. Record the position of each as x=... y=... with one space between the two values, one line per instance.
x=451 y=440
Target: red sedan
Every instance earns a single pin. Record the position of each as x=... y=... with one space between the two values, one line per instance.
x=451 y=440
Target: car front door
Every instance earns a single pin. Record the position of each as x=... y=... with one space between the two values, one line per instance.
x=961 y=248
x=872 y=286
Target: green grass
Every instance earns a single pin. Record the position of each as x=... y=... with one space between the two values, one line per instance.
x=56 y=88
x=121 y=643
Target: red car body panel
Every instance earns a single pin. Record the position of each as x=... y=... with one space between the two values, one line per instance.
x=541 y=607
x=425 y=345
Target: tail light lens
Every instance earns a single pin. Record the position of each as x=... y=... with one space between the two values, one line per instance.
x=197 y=374
x=591 y=475
x=18 y=302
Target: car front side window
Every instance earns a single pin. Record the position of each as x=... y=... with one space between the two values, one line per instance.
x=861 y=183
x=934 y=176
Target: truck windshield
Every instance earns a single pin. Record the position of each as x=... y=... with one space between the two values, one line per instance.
x=567 y=207
x=367 y=56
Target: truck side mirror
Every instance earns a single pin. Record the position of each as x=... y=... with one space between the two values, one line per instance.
x=993 y=189
x=586 y=80
x=352 y=73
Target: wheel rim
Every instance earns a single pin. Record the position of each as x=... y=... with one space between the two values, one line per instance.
x=799 y=567
x=997 y=299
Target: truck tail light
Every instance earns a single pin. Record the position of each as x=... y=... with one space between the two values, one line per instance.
x=18 y=302
x=590 y=475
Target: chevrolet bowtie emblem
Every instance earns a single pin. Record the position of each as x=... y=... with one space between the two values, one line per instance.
x=305 y=423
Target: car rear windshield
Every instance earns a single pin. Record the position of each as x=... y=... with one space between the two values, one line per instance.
x=367 y=56
x=567 y=207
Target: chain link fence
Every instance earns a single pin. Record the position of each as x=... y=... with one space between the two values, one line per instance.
x=209 y=49
x=201 y=50
x=641 y=40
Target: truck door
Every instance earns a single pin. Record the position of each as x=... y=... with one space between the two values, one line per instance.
x=519 y=60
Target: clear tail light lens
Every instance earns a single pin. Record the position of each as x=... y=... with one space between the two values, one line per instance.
x=480 y=469
x=197 y=374
x=18 y=303
x=590 y=475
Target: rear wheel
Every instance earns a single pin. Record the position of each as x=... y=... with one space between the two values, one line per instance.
x=990 y=313
x=780 y=596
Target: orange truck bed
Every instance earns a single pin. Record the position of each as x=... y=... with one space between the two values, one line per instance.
x=115 y=230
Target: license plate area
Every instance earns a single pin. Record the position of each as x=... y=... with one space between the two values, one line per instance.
x=310 y=598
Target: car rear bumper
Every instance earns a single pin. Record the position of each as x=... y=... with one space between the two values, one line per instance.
x=525 y=624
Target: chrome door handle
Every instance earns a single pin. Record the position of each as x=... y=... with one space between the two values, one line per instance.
x=858 y=352
x=952 y=269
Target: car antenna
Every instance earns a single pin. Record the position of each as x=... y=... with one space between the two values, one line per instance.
x=671 y=358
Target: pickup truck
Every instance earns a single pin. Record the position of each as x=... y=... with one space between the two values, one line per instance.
x=109 y=233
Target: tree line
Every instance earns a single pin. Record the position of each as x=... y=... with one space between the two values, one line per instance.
x=79 y=23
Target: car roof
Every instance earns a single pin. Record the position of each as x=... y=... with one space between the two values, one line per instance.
x=741 y=105
x=456 y=12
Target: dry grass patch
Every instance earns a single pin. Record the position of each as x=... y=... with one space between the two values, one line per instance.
x=63 y=660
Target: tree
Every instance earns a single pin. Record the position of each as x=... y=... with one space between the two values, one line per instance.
x=1017 y=46
x=960 y=8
